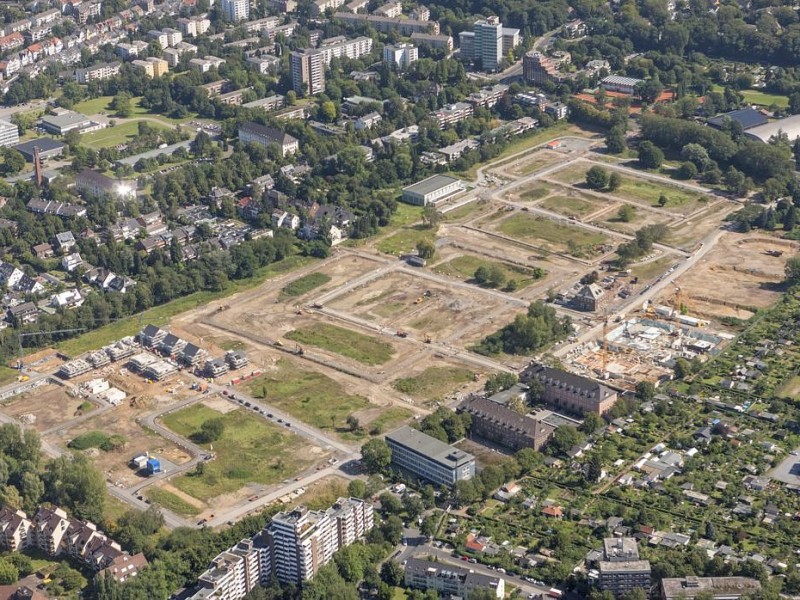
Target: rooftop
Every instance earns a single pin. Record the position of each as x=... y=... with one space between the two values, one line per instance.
x=426 y=445
x=431 y=184
x=689 y=587
x=746 y=117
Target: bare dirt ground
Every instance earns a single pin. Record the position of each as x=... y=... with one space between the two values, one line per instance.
x=529 y=163
x=398 y=301
x=122 y=421
x=686 y=234
x=48 y=404
x=736 y=275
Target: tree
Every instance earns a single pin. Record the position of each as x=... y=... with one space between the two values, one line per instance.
x=426 y=249
x=357 y=489
x=327 y=111
x=614 y=181
x=615 y=140
x=645 y=391
x=392 y=530
x=625 y=213
x=428 y=527
x=121 y=105
x=352 y=423
x=564 y=438
x=13 y=161
x=498 y=382
x=392 y=573
x=792 y=269
x=8 y=572
x=390 y=504
x=211 y=430
x=650 y=156
x=594 y=468
x=412 y=504
x=591 y=423
x=431 y=217
x=662 y=200
x=465 y=492
x=681 y=368
x=697 y=155
x=76 y=485
x=687 y=170
x=377 y=456
x=736 y=182
x=597 y=178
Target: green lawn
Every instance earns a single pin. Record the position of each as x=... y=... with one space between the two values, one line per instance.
x=464 y=267
x=159 y=315
x=251 y=450
x=307 y=395
x=405 y=241
x=362 y=348
x=650 y=191
x=760 y=98
x=463 y=211
x=570 y=206
x=112 y=136
x=100 y=105
x=171 y=502
x=434 y=382
x=303 y=285
x=7 y=374
x=557 y=236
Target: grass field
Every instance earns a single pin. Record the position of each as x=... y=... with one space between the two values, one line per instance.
x=760 y=98
x=464 y=211
x=311 y=397
x=464 y=267
x=650 y=191
x=159 y=315
x=570 y=206
x=405 y=241
x=251 y=450
x=7 y=374
x=533 y=230
x=305 y=284
x=362 y=348
x=652 y=269
x=113 y=136
x=324 y=493
x=171 y=502
x=539 y=190
x=389 y=419
x=434 y=382
x=789 y=388
x=100 y=105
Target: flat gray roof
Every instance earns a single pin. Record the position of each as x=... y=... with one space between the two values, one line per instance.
x=431 y=184
x=626 y=566
x=65 y=120
x=426 y=445
x=789 y=125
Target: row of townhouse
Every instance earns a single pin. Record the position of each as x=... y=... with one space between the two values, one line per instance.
x=291 y=548
x=52 y=532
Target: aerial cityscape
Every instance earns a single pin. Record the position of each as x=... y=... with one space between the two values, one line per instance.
x=318 y=299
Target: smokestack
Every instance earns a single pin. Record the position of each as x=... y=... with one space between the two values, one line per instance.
x=37 y=166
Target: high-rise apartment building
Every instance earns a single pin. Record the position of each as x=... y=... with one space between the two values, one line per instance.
x=235 y=10
x=308 y=71
x=489 y=43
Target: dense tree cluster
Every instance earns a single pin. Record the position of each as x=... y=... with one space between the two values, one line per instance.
x=641 y=245
x=539 y=327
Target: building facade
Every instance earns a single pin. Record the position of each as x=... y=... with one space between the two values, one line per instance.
x=400 y=55
x=568 y=391
x=267 y=136
x=621 y=570
x=235 y=10
x=427 y=458
x=450 y=580
x=719 y=588
x=489 y=43
x=97 y=72
x=308 y=72
x=9 y=134
x=432 y=190
x=505 y=426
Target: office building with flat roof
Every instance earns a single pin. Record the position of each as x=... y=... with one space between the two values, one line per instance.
x=427 y=458
x=621 y=569
x=718 y=588
x=308 y=71
x=489 y=43
x=450 y=580
x=9 y=134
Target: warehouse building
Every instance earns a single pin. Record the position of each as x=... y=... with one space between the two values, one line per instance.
x=432 y=190
x=48 y=148
x=790 y=127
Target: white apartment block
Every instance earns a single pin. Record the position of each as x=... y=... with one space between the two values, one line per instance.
x=292 y=548
x=194 y=26
x=339 y=47
x=235 y=10
x=390 y=10
x=97 y=72
x=14 y=528
x=400 y=55
x=9 y=134
x=205 y=64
